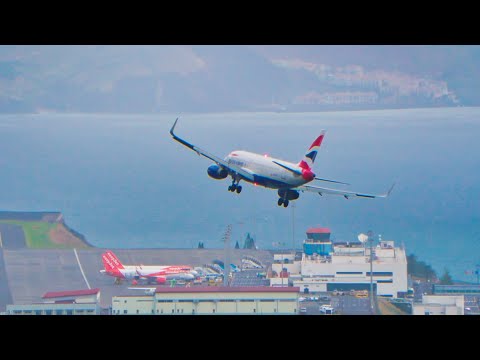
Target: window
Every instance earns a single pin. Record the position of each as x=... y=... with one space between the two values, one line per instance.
x=48 y=312
x=138 y=311
x=381 y=273
x=213 y=310
x=173 y=311
x=58 y=312
x=254 y=310
x=124 y=311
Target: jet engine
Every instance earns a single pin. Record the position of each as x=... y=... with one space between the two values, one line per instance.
x=217 y=172
x=161 y=279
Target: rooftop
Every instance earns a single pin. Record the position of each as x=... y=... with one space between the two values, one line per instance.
x=56 y=294
x=215 y=289
x=318 y=230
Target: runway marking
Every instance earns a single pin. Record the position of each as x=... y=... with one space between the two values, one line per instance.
x=1 y=243
x=80 y=265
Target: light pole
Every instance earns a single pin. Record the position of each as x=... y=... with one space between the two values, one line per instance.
x=293 y=227
x=226 y=264
x=370 y=239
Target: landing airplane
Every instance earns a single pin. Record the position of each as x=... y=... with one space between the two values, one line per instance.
x=156 y=273
x=287 y=178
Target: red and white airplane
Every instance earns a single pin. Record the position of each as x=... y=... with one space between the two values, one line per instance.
x=157 y=273
x=287 y=178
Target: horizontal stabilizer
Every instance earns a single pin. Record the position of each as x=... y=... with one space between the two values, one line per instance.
x=332 y=181
x=295 y=171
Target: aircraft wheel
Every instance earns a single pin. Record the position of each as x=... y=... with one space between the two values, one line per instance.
x=285 y=203
x=239 y=189
x=280 y=202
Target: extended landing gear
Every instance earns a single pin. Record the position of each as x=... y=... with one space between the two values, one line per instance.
x=285 y=195
x=235 y=187
x=282 y=202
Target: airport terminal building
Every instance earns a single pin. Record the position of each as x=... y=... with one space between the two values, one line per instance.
x=210 y=301
x=327 y=266
x=77 y=302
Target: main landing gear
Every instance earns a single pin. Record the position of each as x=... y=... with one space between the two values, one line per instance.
x=282 y=202
x=235 y=187
x=286 y=195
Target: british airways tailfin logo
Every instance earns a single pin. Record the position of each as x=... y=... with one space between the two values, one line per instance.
x=311 y=155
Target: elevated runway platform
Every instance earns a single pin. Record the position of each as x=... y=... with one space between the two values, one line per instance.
x=32 y=273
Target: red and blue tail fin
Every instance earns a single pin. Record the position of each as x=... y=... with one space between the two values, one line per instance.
x=310 y=155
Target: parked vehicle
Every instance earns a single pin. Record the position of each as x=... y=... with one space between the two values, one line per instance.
x=327 y=309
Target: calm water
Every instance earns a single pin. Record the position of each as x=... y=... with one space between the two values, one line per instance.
x=123 y=182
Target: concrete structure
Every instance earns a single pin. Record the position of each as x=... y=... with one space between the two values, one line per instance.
x=79 y=302
x=466 y=289
x=210 y=301
x=326 y=266
x=440 y=305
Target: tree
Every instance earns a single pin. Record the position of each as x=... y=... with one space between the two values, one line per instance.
x=420 y=268
x=237 y=246
x=446 y=279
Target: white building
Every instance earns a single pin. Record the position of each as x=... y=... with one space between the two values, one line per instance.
x=440 y=305
x=210 y=301
x=326 y=266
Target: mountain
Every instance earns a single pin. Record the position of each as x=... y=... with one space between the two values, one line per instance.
x=148 y=79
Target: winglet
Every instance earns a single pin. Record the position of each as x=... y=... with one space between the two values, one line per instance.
x=173 y=127
x=389 y=191
x=181 y=141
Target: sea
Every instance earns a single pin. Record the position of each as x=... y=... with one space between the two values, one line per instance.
x=123 y=182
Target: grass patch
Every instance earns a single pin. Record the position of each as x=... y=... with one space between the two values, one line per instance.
x=37 y=234
x=386 y=308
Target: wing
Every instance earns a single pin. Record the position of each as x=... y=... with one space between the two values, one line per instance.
x=346 y=194
x=235 y=169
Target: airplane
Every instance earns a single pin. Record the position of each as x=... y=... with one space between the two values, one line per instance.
x=289 y=179
x=152 y=273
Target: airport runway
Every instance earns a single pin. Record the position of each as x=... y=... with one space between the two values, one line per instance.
x=5 y=295
x=12 y=237
x=31 y=272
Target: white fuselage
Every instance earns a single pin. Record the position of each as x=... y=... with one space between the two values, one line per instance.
x=149 y=271
x=267 y=173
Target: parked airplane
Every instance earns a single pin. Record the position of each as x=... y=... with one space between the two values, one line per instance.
x=157 y=273
x=287 y=178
